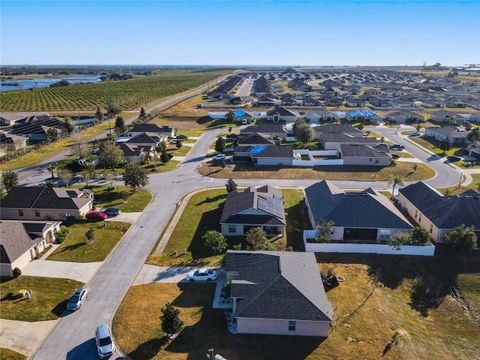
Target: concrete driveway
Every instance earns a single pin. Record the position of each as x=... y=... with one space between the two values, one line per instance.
x=128 y=217
x=60 y=269
x=151 y=274
x=24 y=336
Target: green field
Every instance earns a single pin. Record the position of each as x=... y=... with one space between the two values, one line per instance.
x=128 y=94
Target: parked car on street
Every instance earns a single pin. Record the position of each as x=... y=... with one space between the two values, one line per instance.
x=202 y=275
x=104 y=340
x=77 y=299
x=111 y=212
x=397 y=147
x=95 y=215
x=454 y=158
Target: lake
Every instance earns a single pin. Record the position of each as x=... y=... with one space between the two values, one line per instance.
x=10 y=85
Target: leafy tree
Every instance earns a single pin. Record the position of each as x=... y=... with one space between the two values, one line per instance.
x=230 y=118
x=112 y=108
x=418 y=128
x=120 y=125
x=474 y=134
x=66 y=176
x=161 y=147
x=179 y=144
x=135 y=176
x=303 y=131
x=9 y=180
x=99 y=115
x=164 y=157
x=88 y=173
x=215 y=242
x=462 y=239
x=399 y=239
x=419 y=236
x=53 y=168
x=231 y=185
x=171 y=323
x=220 y=144
x=230 y=129
x=52 y=135
x=110 y=154
x=444 y=145
x=68 y=124
x=397 y=180
x=256 y=239
x=325 y=230
x=143 y=115
x=90 y=235
x=62 y=235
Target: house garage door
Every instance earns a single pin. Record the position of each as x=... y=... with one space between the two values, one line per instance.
x=360 y=234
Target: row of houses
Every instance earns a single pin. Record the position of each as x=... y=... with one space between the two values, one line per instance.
x=282 y=293
x=30 y=218
x=342 y=144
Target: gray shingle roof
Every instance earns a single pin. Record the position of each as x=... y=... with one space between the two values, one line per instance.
x=46 y=198
x=275 y=151
x=15 y=240
x=277 y=285
x=365 y=209
x=361 y=150
x=268 y=201
x=254 y=139
x=446 y=212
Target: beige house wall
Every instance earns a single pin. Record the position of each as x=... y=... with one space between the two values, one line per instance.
x=280 y=327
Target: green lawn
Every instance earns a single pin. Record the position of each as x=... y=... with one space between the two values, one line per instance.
x=158 y=167
x=183 y=151
x=203 y=212
x=49 y=298
x=475 y=185
x=433 y=146
x=76 y=248
x=8 y=354
x=121 y=197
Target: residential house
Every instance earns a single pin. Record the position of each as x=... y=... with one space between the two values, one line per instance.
x=404 y=116
x=363 y=154
x=11 y=119
x=161 y=131
x=282 y=114
x=21 y=242
x=454 y=135
x=277 y=293
x=274 y=155
x=45 y=203
x=365 y=216
x=331 y=136
x=137 y=154
x=319 y=116
x=242 y=117
x=445 y=116
x=261 y=207
x=311 y=102
x=364 y=115
x=247 y=142
x=474 y=150
x=241 y=100
x=270 y=131
x=10 y=142
x=439 y=214
x=37 y=131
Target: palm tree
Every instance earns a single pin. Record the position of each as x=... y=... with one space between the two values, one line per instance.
x=52 y=168
x=397 y=180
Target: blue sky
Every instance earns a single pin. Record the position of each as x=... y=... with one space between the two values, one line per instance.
x=246 y=33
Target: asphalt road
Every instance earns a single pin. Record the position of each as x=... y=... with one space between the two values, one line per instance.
x=38 y=172
x=447 y=176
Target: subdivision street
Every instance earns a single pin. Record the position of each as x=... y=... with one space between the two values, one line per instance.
x=73 y=337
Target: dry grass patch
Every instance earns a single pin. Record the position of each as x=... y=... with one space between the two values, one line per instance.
x=8 y=354
x=403 y=169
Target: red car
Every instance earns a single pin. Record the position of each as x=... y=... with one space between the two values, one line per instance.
x=96 y=215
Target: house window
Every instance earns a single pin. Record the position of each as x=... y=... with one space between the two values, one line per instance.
x=385 y=234
x=292 y=324
x=20 y=212
x=37 y=213
x=232 y=228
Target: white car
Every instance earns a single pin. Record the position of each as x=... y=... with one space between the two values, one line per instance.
x=202 y=275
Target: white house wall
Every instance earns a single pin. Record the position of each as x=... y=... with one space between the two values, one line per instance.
x=280 y=327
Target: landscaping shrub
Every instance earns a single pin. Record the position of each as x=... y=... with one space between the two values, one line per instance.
x=17 y=272
x=62 y=235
